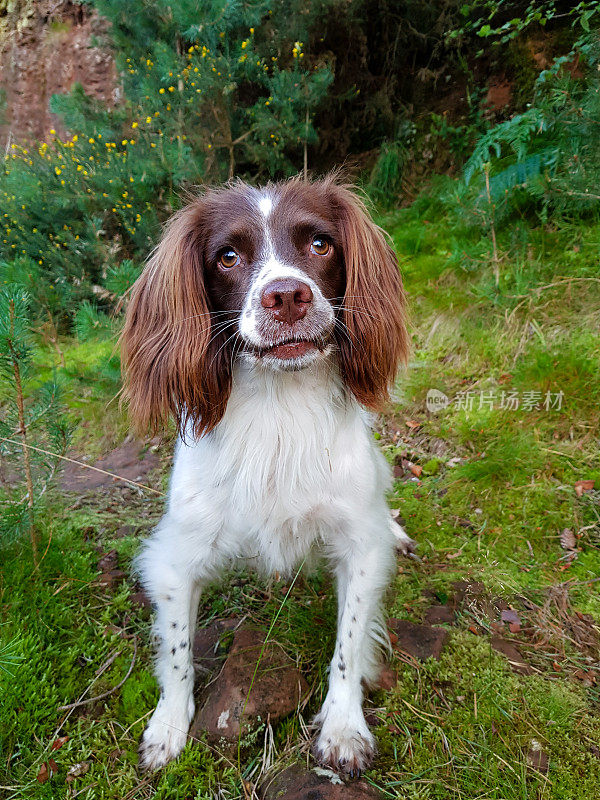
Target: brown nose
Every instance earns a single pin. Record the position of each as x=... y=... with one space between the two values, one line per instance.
x=287 y=299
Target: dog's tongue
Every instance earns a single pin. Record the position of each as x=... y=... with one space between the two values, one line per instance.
x=291 y=350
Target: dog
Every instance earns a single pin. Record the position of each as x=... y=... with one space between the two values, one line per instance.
x=269 y=323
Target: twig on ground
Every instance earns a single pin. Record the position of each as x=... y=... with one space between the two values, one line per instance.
x=83 y=464
x=80 y=702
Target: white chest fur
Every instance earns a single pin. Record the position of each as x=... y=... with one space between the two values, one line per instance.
x=291 y=461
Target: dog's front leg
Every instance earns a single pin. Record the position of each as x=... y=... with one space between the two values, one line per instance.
x=344 y=742
x=175 y=593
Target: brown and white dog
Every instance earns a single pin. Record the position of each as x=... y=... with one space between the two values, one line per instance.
x=267 y=323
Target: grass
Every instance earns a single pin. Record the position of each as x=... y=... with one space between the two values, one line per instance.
x=495 y=492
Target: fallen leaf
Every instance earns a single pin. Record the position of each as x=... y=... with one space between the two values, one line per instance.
x=42 y=775
x=587 y=678
x=567 y=539
x=537 y=759
x=59 y=742
x=416 y=470
x=47 y=770
x=510 y=616
x=77 y=770
x=412 y=423
x=473 y=629
x=583 y=486
x=514 y=627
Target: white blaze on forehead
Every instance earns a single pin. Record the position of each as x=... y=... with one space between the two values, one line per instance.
x=266 y=205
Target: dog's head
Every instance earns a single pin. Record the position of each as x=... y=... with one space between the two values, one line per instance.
x=282 y=277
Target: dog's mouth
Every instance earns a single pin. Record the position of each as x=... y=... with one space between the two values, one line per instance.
x=291 y=349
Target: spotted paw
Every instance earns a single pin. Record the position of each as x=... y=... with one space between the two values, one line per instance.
x=345 y=748
x=163 y=740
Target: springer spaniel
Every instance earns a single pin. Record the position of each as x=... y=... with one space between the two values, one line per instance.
x=268 y=322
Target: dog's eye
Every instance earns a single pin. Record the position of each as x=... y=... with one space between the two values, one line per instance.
x=320 y=246
x=229 y=259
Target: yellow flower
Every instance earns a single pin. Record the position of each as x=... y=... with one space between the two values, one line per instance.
x=75 y=138
x=161 y=90
x=134 y=124
x=57 y=170
x=171 y=88
x=244 y=45
x=152 y=144
x=148 y=120
x=52 y=130
x=130 y=179
x=91 y=140
x=124 y=141
x=251 y=30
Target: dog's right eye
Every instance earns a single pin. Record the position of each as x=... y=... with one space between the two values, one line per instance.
x=229 y=259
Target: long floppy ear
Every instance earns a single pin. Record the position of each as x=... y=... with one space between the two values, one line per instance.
x=375 y=339
x=172 y=363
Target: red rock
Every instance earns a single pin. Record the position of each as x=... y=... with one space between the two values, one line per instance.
x=234 y=701
x=419 y=641
x=439 y=614
x=48 y=46
x=140 y=598
x=297 y=783
x=388 y=678
x=515 y=659
x=208 y=652
x=108 y=561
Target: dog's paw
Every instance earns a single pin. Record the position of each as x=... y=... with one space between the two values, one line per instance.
x=163 y=740
x=345 y=748
x=404 y=544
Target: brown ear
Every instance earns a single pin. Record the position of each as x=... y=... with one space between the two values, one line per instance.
x=172 y=363
x=374 y=340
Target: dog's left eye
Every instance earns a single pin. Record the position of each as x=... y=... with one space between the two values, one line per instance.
x=229 y=259
x=320 y=246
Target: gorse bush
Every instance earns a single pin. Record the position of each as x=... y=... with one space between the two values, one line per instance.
x=203 y=102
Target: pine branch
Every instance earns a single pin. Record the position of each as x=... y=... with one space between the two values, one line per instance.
x=22 y=430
